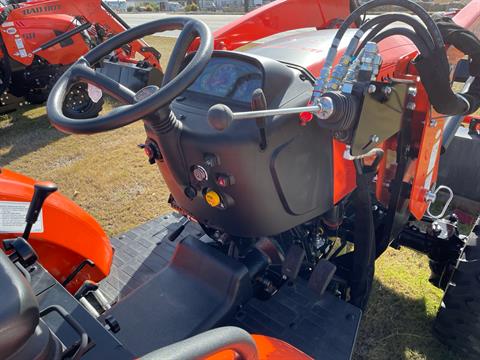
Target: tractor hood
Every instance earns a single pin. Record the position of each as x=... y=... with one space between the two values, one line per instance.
x=309 y=48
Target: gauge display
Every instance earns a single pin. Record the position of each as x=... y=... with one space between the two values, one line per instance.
x=228 y=78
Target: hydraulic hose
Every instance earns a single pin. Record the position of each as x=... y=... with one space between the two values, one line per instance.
x=434 y=71
x=355 y=15
x=381 y=22
x=407 y=4
x=413 y=37
x=432 y=63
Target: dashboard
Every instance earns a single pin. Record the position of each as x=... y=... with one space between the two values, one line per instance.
x=228 y=78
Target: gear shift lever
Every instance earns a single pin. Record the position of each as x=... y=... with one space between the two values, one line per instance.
x=41 y=192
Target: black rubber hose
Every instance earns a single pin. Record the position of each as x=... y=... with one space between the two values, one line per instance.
x=468 y=43
x=417 y=41
x=387 y=19
x=369 y=37
x=407 y=4
x=381 y=22
x=434 y=71
x=463 y=39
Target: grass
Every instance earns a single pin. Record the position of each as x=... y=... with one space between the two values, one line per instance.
x=109 y=177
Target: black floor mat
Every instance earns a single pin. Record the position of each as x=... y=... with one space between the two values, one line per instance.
x=142 y=252
x=325 y=328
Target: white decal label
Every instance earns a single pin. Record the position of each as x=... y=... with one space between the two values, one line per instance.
x=431 y=165
x=94 y=93
x=7 y=24
x=12 y=217
x=433 y=157
x=428 y=181
x=19 y=43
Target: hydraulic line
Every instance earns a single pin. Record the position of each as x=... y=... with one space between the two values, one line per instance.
x=421 y=38
x=332 y=53
x=381 y=22
x=417 y=41
x=369 y=37
x=407 y=4
x=341 y=69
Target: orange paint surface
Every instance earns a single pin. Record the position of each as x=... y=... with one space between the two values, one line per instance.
x=268 y=349
x=70 y=235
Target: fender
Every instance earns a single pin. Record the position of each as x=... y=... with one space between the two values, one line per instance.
x=70 y=235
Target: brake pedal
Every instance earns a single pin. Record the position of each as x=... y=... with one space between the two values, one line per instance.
x=321 y=276
x=293 y=262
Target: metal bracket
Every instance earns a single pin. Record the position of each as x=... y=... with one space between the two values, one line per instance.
x=431 y=197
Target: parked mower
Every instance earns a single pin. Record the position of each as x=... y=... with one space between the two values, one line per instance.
x=41 y=38
x=292 y=170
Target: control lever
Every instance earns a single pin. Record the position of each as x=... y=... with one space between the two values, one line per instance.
x=221 y=116
x=259 y=102
x=86 y=287
x=41 y=192
x=22 y=251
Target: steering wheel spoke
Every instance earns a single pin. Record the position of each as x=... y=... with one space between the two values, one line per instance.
x=81 y=72
x=176 y=80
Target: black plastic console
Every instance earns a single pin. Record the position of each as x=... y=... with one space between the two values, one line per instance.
x=101 y=343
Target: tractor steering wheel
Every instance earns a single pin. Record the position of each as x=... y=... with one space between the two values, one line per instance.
x=174 y=82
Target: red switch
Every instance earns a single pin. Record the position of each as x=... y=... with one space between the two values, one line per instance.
x=224 y=180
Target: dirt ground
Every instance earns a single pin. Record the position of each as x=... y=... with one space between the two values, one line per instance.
x=108 y=175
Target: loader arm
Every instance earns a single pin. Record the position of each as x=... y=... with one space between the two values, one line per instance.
x=280 y=16
x=102 y=16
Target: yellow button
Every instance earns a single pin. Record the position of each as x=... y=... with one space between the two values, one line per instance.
x=212 y=198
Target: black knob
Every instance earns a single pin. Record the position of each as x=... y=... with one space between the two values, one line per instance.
x=112 y=324
x=220 y=117
x=86 y=287
x=21 y=251
x=41 y=192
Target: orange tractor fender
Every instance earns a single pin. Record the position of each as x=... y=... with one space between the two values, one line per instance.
x=69 y=237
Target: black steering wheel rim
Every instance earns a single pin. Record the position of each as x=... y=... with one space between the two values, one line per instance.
x=175 y=82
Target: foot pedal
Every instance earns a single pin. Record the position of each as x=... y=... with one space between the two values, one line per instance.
x=293 y=262
x=321 y=276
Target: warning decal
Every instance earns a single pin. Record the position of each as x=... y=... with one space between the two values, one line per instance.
x=12 y=217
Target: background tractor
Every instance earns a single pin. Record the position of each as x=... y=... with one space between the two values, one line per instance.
x=40 y=39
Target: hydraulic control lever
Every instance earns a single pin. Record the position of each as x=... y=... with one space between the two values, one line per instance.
x=220 y=116
x=41 y=192
x=334 y=111
x=259 y=102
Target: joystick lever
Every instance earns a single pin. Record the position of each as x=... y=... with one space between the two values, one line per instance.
x=220 y=116
x=41 y=192
x=259 y=102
